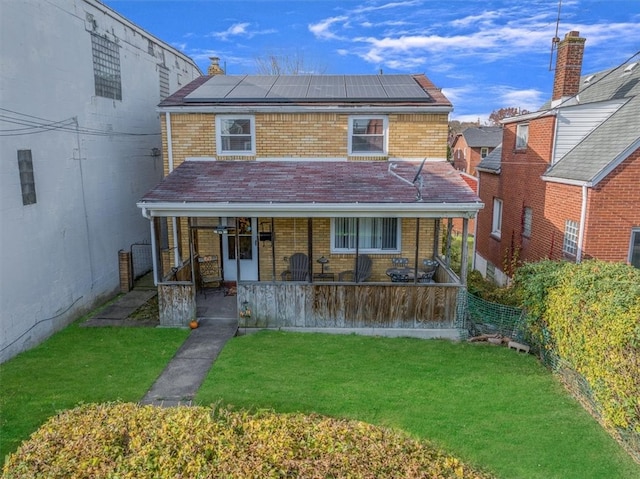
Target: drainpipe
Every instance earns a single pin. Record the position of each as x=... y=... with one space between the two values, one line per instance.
x=154 y=254
x=583 y=217
x=174 y=222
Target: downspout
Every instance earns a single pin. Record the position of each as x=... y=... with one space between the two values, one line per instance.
x=154 y=253
x=583 y=218
x=174 y=221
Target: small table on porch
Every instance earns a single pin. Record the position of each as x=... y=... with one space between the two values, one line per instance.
x=400 y=275
x=324 y=277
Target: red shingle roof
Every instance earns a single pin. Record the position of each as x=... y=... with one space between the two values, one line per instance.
x=309 y=182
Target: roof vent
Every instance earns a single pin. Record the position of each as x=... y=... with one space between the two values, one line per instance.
x=589 y=78
x=629 y=68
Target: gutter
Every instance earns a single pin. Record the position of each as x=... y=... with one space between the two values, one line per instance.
x=583 y=218
x=249 y=109
x=313 y=210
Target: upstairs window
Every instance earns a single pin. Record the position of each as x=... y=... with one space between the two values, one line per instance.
x=570 y=241
x=374 y=235
x=484 y=151
x=368 y=135
x=496 y=224
x=235 y=135
x=522 y=136
x=106 y=67
x=634 y=248
x=27 y=181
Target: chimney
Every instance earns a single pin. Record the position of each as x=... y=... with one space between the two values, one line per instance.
x=214 y=68
x=566 y=82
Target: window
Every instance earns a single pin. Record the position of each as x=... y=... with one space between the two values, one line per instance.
x=106 y=67
x=527 y=220
x=163 y=75
x=368 y=135
x=634 y=248
x=570 y=242
x=484 y=151
x=496 y=225
x=27 y=181
x=522 y=136
x=376 y=234
x=235 y=135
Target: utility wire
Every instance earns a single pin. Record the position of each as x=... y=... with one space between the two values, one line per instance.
x=36 y=125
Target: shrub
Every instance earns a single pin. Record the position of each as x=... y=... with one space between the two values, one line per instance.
x=126 y=440
x=491 y=292
x=589 y=315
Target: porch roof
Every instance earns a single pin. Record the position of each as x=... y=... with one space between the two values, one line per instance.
x=312 y=189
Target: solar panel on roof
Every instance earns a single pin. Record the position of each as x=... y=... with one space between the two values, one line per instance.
x=396 y=80
x=262 y=88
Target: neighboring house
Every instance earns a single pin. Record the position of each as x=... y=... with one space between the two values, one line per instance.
x=349 y=171
x=472 y=145
x=80 y=144
x=566 y=185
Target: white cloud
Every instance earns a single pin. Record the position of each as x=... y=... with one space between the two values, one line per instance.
x=240 y=30
x=322 y=29
x=527 y=99
x=386 y=6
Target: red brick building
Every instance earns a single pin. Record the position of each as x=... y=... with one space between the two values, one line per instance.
x=472 y=145
x=565 y=183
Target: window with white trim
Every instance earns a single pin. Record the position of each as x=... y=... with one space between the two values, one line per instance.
x=634 y=248
x=374 y=235
x=527 y=221
x=484 y=151
x=522 y=136
x=496 y=223
x=235 y=135
x=368 y=135
x=570 y=241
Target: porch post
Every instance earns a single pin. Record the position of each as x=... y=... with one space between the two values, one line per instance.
x=464 y=255
x=436 y=239
x=310 y=247
x=273 y=251
x=154 y=251
x=355 y=267
x=448 y=253
x=417 y=251
x=237 y=249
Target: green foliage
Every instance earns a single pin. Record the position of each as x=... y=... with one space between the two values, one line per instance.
x=485 y=289
x=589 y=315
x=126 y=440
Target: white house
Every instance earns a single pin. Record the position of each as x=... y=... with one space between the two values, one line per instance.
x=80 y=143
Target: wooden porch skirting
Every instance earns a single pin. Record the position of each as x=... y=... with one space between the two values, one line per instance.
x=332 y=305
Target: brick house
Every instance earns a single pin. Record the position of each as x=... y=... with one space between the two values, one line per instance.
x=472 y=145
x=348 y=171
x=565 y=184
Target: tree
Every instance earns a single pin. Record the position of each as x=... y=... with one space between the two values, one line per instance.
x=287 y=64
x=497 y=115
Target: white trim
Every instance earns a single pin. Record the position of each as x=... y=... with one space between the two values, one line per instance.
x=356 y=109
x=384 y=135
x=529 y=116
x=313 y=210
x=565 y=181
x=200 y=158
x=294 y=159
x=252 y=132
x=167 y=118
x=496 y=221
x=628 y=151
x=634 y=231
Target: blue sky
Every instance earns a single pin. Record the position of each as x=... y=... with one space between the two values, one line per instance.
x=485 y=55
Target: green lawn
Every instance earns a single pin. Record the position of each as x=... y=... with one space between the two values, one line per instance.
x=490 y=406
x=79 y=365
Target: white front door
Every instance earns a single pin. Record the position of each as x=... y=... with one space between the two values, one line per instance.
x=247 y=250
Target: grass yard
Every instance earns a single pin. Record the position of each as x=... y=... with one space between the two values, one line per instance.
x=489 y=406
x=79 y=365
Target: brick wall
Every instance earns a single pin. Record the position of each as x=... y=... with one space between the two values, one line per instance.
x=313 y=135
x=613 y=210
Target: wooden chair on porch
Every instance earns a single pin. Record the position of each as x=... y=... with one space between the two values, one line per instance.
x=298 y=268
x=362 y=271
x=209 y=272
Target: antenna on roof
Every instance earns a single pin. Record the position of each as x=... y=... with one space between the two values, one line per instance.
x=556 y=39
x=416 y=178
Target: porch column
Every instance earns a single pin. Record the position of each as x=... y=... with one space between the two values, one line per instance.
x=448 y=250
x=310 y=247
x=417 y=251
x=436 y=239
x=464 y=254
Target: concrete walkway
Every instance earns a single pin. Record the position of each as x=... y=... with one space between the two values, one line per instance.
x=183 y=376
